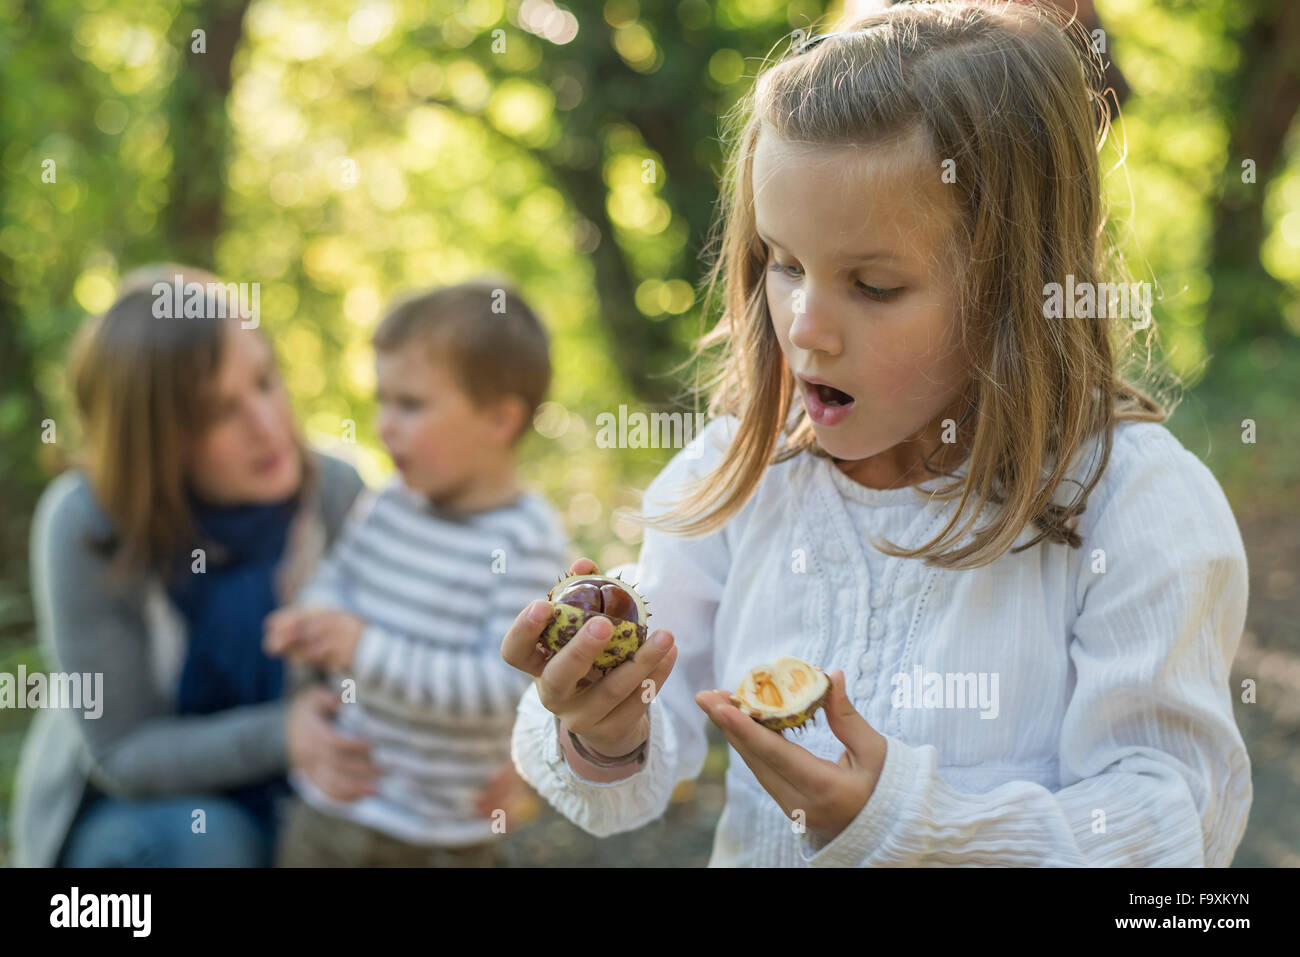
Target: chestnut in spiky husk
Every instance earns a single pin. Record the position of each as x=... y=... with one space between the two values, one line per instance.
x=785 y=693
x=579 y=598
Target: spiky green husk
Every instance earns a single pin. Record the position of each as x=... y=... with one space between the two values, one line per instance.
x=566 y=620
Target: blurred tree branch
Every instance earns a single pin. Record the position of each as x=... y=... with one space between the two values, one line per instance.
x=1259 y=102
x=199 y=126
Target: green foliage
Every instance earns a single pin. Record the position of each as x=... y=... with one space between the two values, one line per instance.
x=1255 y=381
x=364 y=150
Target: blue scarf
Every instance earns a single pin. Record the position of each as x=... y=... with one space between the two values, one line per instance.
x=224 y=608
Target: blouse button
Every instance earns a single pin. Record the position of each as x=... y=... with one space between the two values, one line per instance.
x=876 y=628
x=877 y=597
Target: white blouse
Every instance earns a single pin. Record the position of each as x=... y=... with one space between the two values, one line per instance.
x=1057 y=707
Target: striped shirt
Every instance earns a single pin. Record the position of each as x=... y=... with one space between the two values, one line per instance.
x=438 y=591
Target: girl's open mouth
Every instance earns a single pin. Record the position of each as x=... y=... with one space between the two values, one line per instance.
x=826 y=404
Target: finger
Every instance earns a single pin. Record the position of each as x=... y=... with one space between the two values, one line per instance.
x=276 y=636
x=352 y=764
x=618 y=696
x=292 y=649
x=559 y=679
x=313 y=647
x=339 y=742
x=622 y=721
x=311 y=629
x=520 y=647
x=325 y=703
x=339 y=786
x=787 y=771
x=861 y=741
x=787 y=797
x=325 y=779
x=297 y=651
x=280 y=618
x=346 y=743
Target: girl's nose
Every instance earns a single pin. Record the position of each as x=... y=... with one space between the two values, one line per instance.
x=814 y=327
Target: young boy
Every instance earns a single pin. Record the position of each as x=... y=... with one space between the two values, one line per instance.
x=425 y=580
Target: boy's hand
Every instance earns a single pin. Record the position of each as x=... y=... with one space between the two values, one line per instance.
x=280 y=630
x=510 y=793
x=830 y=795
x=326 y=637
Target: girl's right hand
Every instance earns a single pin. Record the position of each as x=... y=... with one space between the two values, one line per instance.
x=608 y=713
x=337 y=763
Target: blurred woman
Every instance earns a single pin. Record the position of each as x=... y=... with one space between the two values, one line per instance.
x=196 y=512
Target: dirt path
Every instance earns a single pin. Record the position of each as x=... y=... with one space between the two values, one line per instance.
x=1270 y=654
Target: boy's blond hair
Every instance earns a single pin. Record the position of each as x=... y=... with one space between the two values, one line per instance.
x=484 y=332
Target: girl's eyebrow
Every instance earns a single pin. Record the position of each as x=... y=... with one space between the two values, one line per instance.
x=874 y=255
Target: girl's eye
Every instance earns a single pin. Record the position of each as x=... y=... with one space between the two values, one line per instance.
x=871 y=291
x=776 y=266
x=880 y=295
x=409 y=405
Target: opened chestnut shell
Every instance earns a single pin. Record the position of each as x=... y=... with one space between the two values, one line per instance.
x=577 y=599
x=784 y=693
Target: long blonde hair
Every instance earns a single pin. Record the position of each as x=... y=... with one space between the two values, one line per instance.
x=1003 y=93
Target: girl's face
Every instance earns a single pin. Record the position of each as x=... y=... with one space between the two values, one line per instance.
x=861 y=297
x=247 y=453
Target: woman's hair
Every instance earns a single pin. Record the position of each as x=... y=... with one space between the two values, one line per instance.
x=1003 y=93
x=142 y=390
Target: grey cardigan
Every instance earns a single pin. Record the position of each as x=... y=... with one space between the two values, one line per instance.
x=138 y=747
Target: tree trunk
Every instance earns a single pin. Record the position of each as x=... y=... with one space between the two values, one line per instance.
x=1260 y=101
x=199 y=131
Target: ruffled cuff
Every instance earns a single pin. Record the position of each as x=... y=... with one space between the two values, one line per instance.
x=864 y=837
x=599 y=808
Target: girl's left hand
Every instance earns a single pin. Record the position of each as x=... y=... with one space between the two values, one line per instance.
x=829 y=794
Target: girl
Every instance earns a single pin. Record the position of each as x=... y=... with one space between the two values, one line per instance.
x=1029 y=662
